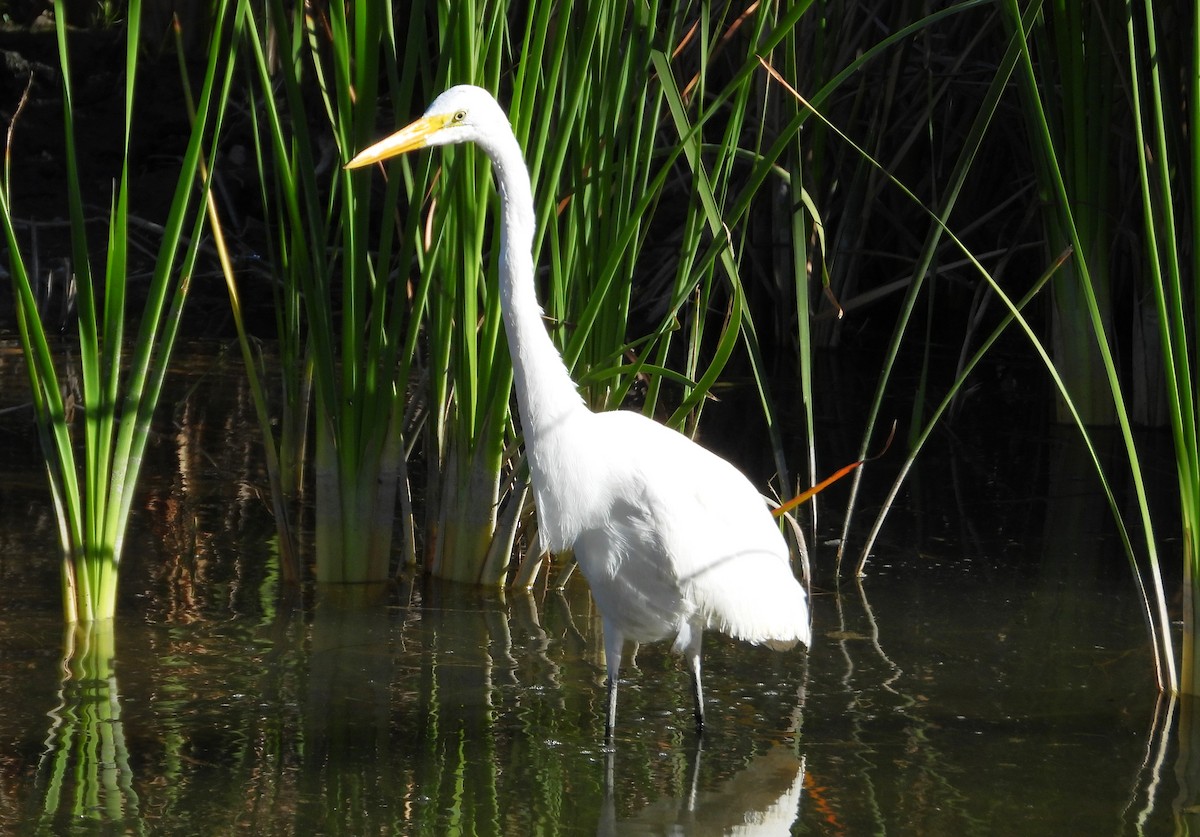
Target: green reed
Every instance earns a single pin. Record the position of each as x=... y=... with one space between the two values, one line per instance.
x=1168 y=167
x=1162 y=162
x=1079 y=295
x=832 y=284
x=1063 y=58
x=93 y=449
x=607 y=135
x=346 y=325
x=1073 y=56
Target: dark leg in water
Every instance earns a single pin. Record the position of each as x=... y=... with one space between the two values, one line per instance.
x=613 y=640
x=692 y=654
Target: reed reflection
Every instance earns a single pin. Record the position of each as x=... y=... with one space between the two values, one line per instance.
x=84 y=772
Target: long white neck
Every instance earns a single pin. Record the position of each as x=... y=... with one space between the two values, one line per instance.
x=546 y=395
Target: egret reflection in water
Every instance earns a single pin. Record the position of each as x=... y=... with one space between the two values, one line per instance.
x=760 y=800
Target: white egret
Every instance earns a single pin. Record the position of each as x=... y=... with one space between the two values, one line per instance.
x=671 y=538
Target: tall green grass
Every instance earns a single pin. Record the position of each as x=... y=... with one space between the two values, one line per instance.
x=616 y=160
x=1166 y=167
x=1059 y=54
x=93 y=450
x=387 y=295
x=1074 y=58
x=348 y=327
x=868 y=80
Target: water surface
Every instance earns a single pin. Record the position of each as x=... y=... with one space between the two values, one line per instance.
x=991 y=675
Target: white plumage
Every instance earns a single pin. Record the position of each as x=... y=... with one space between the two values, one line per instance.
x=672 y=539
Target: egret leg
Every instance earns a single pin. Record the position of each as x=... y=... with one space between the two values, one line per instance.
x=613 y=642
x=692 y=654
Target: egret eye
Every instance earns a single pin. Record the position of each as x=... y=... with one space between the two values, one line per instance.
x=459 y=116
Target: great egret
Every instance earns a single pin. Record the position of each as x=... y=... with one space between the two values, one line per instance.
x=671 y=538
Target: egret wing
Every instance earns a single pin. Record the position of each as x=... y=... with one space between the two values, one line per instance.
x=728 y=556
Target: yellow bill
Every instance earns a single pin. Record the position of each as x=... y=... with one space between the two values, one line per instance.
x=410 y=138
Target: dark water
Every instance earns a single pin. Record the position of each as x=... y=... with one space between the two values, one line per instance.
x=991 y=675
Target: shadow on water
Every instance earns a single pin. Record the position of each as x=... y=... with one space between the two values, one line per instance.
x=990 y=676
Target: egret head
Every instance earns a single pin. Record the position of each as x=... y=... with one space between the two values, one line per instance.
x=461 y=114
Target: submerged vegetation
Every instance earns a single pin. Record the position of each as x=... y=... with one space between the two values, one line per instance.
x=724 y=190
